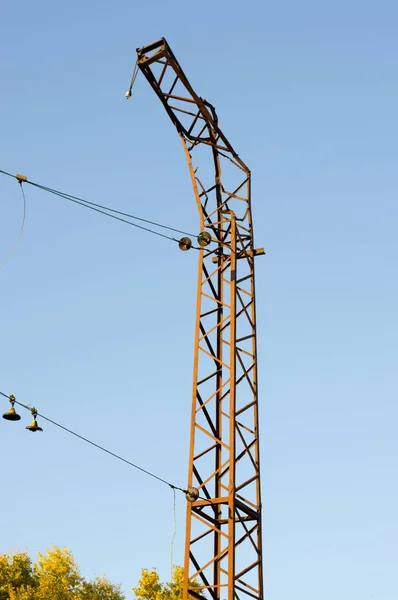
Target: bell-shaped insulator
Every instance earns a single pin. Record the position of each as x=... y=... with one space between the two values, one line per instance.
x=11 y=414
x=33 y=426
x=204 y=238
x=185 y=244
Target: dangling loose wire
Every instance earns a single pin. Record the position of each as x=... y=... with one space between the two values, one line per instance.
x=133 y=78
x=20 y=231
x=174 y=534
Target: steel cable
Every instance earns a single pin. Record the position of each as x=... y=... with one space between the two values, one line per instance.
x=81 y=437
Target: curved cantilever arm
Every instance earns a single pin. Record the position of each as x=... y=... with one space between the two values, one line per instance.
x=223 y=552
x=179 y=98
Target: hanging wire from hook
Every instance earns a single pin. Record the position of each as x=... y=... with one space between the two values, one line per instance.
x=133 y=78
x=20 y=231
x=174 y=534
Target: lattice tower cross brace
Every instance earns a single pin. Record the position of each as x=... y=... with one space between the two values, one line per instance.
x=223 y=552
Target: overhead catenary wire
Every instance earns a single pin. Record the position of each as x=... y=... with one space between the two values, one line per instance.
x=85 y=205
x=98 y=208
x=102 y=448
x=101 y=209
x=106 y=210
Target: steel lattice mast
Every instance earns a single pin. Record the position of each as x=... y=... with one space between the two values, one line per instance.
x=223 y=551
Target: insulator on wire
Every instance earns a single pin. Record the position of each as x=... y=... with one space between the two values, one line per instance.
x=192 y=494
x=204 y=238
x=33 y=426
x=11 y=414
x=185 y=244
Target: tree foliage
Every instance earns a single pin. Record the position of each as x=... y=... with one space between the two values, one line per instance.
x=150 y=587
x=54 y=575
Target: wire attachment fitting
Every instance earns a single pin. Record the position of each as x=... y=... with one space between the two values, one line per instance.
x=21 y=178
x=185 y=244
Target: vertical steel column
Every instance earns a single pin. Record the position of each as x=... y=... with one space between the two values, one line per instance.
x=232 y=411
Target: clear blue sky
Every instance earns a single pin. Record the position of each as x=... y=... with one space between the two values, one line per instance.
x=97 y=318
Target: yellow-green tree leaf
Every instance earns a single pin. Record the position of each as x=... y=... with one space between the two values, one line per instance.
x=54 y=576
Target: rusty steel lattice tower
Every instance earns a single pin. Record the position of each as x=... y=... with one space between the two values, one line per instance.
x=223 y=552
